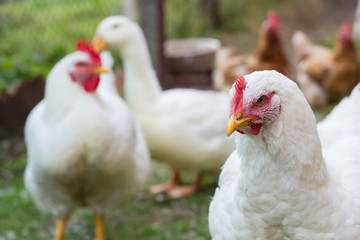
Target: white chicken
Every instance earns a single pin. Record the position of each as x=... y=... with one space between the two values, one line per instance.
x=84 y=148
x=183 y=127
x=280 y=183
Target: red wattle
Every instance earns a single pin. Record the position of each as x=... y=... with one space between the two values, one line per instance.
x=91 y=84
x=240 y=131
x=255 y=128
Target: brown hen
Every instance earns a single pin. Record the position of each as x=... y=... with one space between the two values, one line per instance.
x=326 y=75
x=269 y=55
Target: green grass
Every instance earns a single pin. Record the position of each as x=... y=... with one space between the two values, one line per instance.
x=147 y=217
x=35 y=34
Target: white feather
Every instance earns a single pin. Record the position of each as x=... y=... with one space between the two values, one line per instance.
x=183 y=127
x=83 y=148
x=281 y=184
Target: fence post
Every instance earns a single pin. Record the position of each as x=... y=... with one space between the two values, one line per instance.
x=152 y=22
x=130 y=9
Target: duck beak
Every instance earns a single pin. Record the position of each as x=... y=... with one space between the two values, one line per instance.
x=235 y=123
x=99 y=44
x=99 y=70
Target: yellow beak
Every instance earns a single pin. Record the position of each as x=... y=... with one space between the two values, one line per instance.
x=235 y=123
x=99 y=70
x=99 y=44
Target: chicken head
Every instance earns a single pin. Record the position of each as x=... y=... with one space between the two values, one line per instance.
x=251 y=109
x=86 y=72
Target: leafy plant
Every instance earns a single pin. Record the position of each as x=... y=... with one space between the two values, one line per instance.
x=35 y=34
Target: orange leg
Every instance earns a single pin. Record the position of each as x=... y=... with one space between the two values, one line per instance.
x=165 y=187
x=99 y=228
x=183 y=191
x=60 y=229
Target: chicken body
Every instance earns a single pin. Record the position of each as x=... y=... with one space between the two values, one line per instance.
x=280 y=183
x=269 y=55
x=183 y=127
x=84 y=149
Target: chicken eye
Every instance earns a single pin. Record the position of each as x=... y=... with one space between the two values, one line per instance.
x=81 y=64
x=260 y=101
x=116 y=25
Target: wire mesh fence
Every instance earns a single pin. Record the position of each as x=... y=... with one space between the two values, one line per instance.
x=34 y=34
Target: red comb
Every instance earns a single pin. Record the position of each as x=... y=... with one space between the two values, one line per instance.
x=346 y=29
x=273 y=19
x=345 y=34
x=86 y=47
x=240 y=85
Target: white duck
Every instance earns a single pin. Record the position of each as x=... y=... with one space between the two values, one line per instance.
x=84 y=148
x=183 y=127
x=280 y=183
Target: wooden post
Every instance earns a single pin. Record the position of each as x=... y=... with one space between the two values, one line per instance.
x=211 y=10
x=152 y=22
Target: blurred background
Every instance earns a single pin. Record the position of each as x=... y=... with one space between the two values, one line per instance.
x=35 y=34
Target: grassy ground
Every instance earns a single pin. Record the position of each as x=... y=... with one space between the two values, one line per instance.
x=147 y=217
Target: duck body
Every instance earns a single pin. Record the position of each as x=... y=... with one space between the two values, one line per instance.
x=181 y=126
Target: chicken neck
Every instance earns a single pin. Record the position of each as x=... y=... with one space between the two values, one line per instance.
x=287 y=152
x=279 y=183
x=61 y=92
x=270 y=51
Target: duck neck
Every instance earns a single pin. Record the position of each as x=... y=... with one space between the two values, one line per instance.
x=141 y=86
